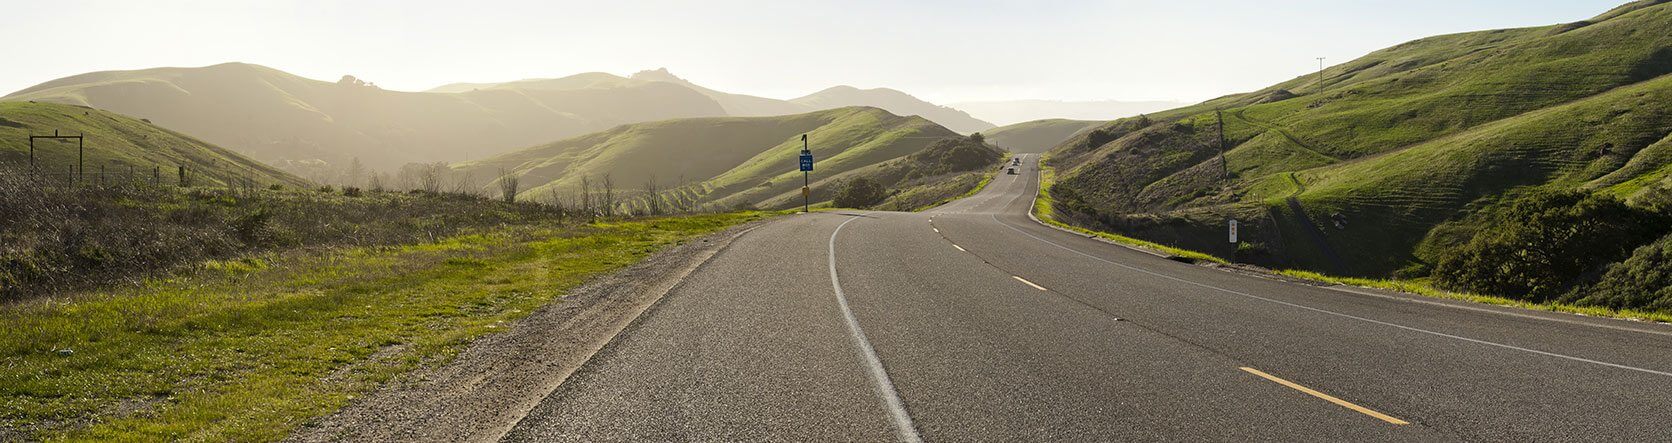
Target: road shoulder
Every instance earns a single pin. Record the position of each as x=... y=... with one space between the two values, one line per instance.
x=489 y=386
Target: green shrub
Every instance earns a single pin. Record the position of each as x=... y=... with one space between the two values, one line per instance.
x=860 y=192
x=1642 y=282
x=1542 y=244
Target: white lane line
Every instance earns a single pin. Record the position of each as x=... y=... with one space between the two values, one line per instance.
x=903 y=426
x=1029 y=283
x=960 y=248
x=1338 y=314
x=1354 y=290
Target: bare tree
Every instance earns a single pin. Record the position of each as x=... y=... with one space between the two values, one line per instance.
x=653 y=197
x=586 y=198
x=465 y=185
x=608 y=205
x=428 y=177
x=508 y=186
x=374 y=181
x=353 y=173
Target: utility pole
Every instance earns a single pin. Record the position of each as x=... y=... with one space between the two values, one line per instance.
x=1224 y=169
x=1320 y=75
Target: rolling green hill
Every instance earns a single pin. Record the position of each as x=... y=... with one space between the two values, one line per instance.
x=126 y=148
x=1356 y=178
x=1038 y=135
x=715 y=163
x=288 y=120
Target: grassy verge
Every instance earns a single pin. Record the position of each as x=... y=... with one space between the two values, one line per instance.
x=248 y=349
x=1043 y=210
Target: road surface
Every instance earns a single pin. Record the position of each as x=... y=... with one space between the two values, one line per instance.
x=973 y=322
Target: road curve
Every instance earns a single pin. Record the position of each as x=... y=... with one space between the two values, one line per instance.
x=972 y=322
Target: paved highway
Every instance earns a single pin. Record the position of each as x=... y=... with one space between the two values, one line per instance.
x=973 y=322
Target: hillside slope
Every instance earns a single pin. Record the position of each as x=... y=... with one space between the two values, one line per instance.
x=713 y=162
x=896 y=102
x=1038 y=135
x=1356 y=178
x=285 y=119
x=125 y=148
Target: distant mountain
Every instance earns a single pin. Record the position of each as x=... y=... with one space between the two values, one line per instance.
x=573 y=82
x=896 y=102
x=1017 y=111
x=737 y=105
x=715 y=162
x=740 y=105
x=1392 y=163
x=122 y=147
x=281 y=118
x=1038 y=135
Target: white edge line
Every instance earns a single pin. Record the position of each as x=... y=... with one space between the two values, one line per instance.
x=1029 y=283
x=903 y=426
x=1356 y=290
x=1354 y=317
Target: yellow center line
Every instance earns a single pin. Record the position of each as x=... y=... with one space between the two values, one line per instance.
x=1029 y=283
x=1327 y=397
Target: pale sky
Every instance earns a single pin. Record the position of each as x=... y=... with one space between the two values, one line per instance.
x=942 y=51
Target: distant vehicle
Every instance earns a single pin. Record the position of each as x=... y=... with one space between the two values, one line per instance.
x=1016 y=161
x=1012 y=171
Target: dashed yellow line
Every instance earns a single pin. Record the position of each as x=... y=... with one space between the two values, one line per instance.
x=1029 y=283
x=1327 y=397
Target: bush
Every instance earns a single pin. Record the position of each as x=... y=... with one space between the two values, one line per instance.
x=860 y=192
x=1543 y=244
x=1643 y=281
x=350 y=191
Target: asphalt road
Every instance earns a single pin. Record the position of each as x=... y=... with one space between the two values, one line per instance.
x=973 y=322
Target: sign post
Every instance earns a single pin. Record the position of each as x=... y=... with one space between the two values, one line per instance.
x=806 y=167
x=1233 y=231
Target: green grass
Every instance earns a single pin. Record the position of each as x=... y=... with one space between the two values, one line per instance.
x=248 y=349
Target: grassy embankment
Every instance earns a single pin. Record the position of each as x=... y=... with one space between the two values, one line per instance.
x=248 y=349
x=1043 y=210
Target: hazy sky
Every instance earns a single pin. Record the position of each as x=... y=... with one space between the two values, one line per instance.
x=943 y=51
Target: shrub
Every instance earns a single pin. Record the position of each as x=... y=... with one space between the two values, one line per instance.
x=1643 y=281
x=350 y=191
x=860 y=192
x=1542 y=244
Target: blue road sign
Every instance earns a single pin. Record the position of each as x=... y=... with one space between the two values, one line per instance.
x=806 y=162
